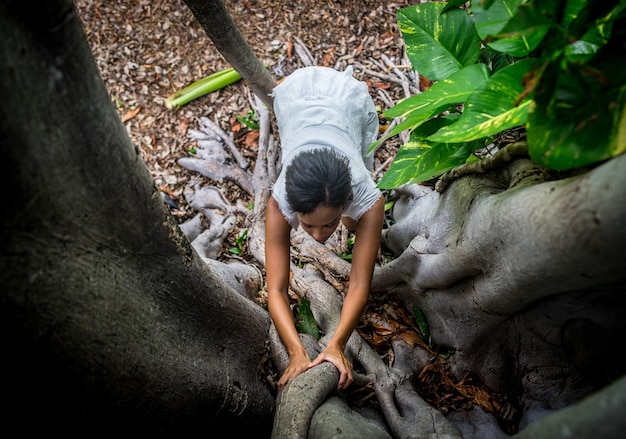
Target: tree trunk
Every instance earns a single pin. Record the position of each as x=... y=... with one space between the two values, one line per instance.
x=224 y=33
x=110 y=321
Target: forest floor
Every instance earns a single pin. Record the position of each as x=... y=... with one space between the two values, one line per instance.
x=146 y=50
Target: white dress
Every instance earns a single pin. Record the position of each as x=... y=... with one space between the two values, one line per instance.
x=319 y=107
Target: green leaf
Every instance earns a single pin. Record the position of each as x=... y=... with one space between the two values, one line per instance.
x=250 y=120
x=447 y=353
x=438 y=44
x=418 y=108
x=418 y=160
x=492 y=107
x=453 y=90
x=567 y=139
x=510 y=26
x=243 y=234
x=421 y=322
x=305 y=319
x=452 y=4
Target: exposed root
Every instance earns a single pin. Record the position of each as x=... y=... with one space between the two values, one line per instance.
x=504 y=155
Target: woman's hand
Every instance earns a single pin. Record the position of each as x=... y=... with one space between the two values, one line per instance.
x=334 y=354
x=364 y=254
x=298 y=363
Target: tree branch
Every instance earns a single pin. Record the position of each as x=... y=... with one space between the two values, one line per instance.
x=224 y=33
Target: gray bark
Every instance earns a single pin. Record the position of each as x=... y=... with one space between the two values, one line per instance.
x=110 y=320
x=599 y=415
x=513 y=271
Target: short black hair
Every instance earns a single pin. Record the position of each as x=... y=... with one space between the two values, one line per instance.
x=318 y=177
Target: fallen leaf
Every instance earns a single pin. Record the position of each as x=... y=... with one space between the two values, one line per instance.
x=289 y=48
x=411 y=338
x=328 y=59
x=425 y=83
x=251 y=138
x=130 y=114
x=235 y=125
x=183 y=125
x=167 y=190
x=381 y=85
x=382 y=326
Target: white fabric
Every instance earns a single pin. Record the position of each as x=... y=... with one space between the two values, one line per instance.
x=319 y=107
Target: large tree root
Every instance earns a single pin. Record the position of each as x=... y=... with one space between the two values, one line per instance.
x=475 y=258
x=505 y=265
x=405 y=413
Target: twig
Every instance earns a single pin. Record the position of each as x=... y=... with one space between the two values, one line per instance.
x=406 y=86
x=303 y=53
x=386 y=77
x=382 y=167
x=214 y=126
x=385 y=97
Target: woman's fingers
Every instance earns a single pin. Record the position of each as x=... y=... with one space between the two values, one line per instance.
x=296 y=366
x=339 y=360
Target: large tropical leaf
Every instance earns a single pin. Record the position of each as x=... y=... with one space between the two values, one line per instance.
x=512 y=27
x=419 y=160
x=438 y=44
x=418 y=108
x=453 y=90
x=579 y=126
x=491 y=108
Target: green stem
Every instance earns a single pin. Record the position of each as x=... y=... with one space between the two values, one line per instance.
x=203 y=86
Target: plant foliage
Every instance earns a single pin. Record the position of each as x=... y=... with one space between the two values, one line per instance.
x=305 y=321
x=555 y=67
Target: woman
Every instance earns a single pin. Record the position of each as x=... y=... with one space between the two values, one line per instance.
x=327 y=121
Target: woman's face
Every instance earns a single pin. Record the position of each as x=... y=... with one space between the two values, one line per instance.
x=321 y=223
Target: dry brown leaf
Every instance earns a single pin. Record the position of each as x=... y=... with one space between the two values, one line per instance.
x=381 y=85
x=130 y=114
x=425 y=83
x=413 y=339
x=381 y=326
x=479 y=396
x=167 y=190
x=328 y=59
x=183 y=126
x=251 y=138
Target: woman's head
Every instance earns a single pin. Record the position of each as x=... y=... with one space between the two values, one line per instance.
x=318 y=186
x=318 y=177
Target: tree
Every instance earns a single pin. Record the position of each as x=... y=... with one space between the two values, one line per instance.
x=110 y=314
x=110 y=320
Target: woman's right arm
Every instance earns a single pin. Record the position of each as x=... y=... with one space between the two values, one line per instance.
x=277 y=257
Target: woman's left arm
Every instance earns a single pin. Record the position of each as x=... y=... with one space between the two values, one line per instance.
x=364 y=254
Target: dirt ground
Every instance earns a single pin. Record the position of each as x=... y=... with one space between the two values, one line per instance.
x=146 y=50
